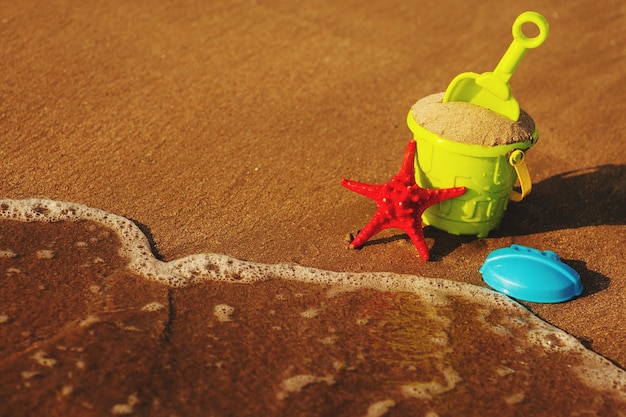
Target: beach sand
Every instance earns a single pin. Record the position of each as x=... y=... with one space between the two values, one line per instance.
x=225 y=128
x=471 y=124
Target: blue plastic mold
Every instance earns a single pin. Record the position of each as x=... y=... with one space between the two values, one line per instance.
x=531 y=275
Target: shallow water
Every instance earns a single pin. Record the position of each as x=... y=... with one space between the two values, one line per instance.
x=91 y=323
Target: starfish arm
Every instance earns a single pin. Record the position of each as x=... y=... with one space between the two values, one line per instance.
x=452 y=192
x=373 y=227
x=367 y=190
x=408 y=163
x=437 y=195
x=416 y=234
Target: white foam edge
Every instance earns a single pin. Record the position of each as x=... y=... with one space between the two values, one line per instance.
x=198 y=268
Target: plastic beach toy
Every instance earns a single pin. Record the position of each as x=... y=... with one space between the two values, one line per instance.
x=488 y=172
x=531 y=275
x=491 y=89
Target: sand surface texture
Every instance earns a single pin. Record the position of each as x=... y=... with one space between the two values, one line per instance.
x=224 y=128
x=468 y=123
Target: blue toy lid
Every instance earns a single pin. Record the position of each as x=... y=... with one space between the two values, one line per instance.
x=531 y=275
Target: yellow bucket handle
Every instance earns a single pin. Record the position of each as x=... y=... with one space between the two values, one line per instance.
x=516 y=159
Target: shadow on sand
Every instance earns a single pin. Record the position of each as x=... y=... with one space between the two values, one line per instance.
x=586 y=197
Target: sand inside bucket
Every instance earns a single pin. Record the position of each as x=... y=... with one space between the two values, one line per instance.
x=469 y=123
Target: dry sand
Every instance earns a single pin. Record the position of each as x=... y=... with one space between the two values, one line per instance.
x=469 y=123
x=225 y=128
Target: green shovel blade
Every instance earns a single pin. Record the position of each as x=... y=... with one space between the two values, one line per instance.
x=491 y=90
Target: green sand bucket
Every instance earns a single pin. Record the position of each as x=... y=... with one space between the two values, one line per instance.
x=488 y=172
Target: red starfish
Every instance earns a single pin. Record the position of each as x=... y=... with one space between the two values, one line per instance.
x=400 y=203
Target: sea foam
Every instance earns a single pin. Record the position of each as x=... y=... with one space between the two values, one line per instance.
x=591 y=369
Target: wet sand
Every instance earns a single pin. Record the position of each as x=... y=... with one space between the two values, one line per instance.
x=98 y=331
x=225 y=128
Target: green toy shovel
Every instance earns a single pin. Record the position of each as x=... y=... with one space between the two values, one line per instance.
x=491 y=89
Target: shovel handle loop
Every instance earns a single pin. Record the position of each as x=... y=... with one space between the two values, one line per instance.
x=521 y=44
x=539 y=21
x=516 y=159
